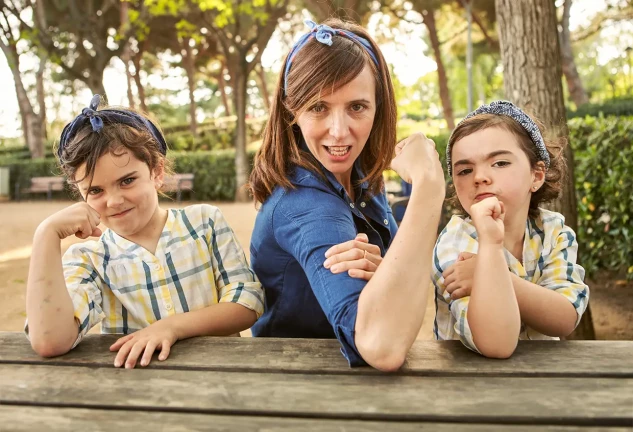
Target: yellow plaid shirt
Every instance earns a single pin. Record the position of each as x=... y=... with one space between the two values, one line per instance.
x=198 y=262
x=549 y=260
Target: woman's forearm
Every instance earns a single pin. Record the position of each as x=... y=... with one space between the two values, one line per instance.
x=392 y=304
x=493 y=313
x=49 y=308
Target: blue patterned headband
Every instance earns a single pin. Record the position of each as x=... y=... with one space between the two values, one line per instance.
x=508 y=109
x=323 y=33
x=108 y=116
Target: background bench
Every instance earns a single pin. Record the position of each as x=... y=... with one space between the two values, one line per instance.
x=41 y=184
x=177 y=183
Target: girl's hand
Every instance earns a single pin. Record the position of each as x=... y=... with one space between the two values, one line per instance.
x=487 y=216
x=458 y=278
x=79 y=219
x=158 y=335
x=357 y=257
x=417 y=161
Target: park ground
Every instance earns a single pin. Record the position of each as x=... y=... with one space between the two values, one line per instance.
x=611 y=297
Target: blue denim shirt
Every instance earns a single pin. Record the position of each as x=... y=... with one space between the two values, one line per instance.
x=293 y=230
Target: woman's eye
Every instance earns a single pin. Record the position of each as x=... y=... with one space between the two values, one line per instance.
x=358 y=108
x=128 y=180
x=318 y=108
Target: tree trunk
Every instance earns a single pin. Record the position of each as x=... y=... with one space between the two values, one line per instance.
x=189 y=64
x=31 y=124
x=240 y=78
x=222 y=87
x=447 y=106
x=95 y=83
x=263 y=87
x=125 y=57
x=41 y=96
x=574 y=84
x=530 y=54
x=136 y=60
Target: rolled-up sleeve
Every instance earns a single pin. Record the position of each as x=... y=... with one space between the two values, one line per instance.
x=306 y=233
x=234 y=279
x=451 y=315
x=561 y=273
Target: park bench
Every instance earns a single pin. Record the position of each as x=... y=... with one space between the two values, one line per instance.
x=178 y=183
x=41 y=184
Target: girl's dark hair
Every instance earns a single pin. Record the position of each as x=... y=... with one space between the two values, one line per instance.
x=318 y=68
x=87 y=146
x=554 y=176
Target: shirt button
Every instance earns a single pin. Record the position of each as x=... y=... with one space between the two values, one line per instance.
x=168 y=306
x=386 y=222
x=363 y=205
x=351 y=205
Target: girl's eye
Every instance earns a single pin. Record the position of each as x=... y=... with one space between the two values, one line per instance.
x=128 y=181
x=501 y=163
x=464 y=172
x=94 y=191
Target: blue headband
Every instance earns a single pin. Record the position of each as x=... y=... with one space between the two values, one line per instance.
x=108 y=116
x=508 y=109
x=323 y=33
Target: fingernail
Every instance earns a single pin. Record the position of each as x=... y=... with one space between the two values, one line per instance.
x=117 y=364
x=327 y=263
x=161 y=358
x=327 y=254
x=129 y=366
x=144 y=363
x=334 y=269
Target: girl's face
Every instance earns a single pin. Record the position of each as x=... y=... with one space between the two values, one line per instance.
x=490 y=162
x=337 y=127
x=123 y=191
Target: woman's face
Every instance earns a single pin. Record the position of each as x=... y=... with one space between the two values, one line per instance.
x=337 y=127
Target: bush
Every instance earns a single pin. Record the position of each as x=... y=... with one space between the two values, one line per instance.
x=616 y=107
x=603 y=156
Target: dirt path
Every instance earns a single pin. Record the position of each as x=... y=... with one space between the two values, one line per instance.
x=18 y=222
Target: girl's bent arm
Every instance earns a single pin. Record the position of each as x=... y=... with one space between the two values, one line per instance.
x=51 y=323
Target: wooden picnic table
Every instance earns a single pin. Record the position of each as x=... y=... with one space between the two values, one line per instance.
x=249 y=384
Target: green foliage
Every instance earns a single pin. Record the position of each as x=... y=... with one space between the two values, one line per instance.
x=214 y=172
x=618 y=107
x=603 y=155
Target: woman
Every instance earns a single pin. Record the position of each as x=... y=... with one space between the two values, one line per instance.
x=318 y=177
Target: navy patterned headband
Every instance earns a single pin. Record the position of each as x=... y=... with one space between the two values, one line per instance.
x=323 y=33
x=108 y=116
x=508 y=109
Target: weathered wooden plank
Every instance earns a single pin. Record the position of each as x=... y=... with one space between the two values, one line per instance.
x=532 y=358
x=534 y=400
x=28 y=419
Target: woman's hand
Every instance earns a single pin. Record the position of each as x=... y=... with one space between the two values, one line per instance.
x=79 y=219
x=357 y=257
x=417 y=161
x=159 y=335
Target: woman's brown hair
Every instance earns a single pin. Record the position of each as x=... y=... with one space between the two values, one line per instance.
x=555 y=174
x=317 y=68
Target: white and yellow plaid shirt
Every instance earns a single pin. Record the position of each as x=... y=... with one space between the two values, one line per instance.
x=549 y=260
x=198 y=262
